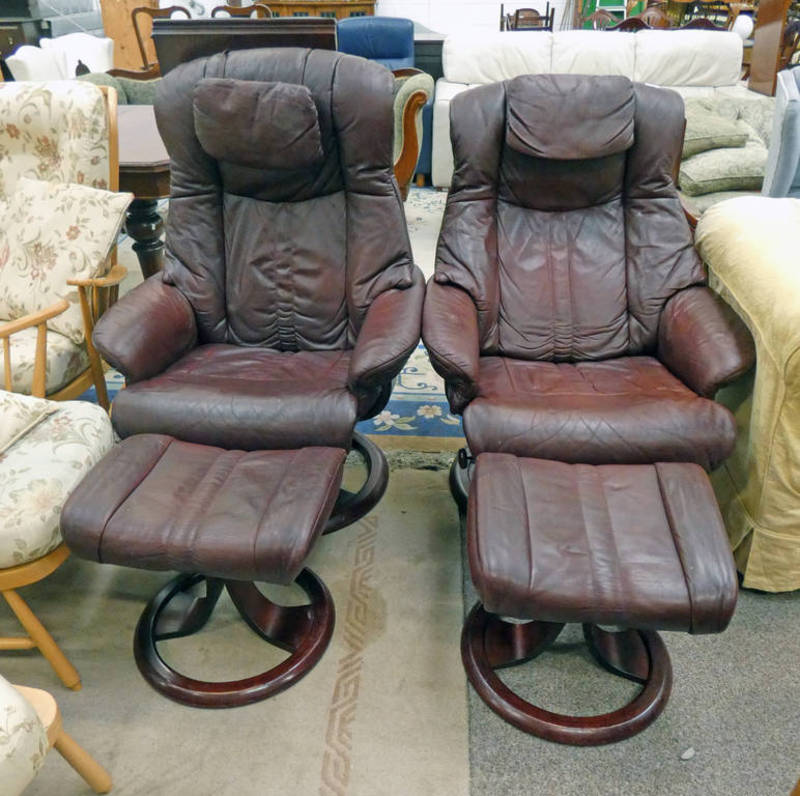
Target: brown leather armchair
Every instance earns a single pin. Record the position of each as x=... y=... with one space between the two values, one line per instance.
x=289 y=299
x=568 y=313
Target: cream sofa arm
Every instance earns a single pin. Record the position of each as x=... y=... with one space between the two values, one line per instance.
x=750 y=247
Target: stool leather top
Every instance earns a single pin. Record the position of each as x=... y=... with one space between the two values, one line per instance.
x=159 y=503
x=638 y=546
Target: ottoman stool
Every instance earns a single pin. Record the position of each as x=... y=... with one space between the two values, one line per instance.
x=227 y=519
x=639 y=547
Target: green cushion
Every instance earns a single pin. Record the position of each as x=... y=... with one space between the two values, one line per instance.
x=102 y=79
x=706 y=131
x=129 y=91
x=139 y=92
x=729 y=169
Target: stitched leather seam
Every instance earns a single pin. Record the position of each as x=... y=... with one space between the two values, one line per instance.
x=275 y=490
x=671 y=523
x=139 y=482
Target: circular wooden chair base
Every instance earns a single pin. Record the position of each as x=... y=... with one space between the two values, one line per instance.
x=489 y=643
x=303 y=630
x=352 y=506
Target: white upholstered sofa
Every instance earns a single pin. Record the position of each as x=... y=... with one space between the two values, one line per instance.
x=694 y=62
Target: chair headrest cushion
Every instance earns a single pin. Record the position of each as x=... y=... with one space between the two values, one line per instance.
x=258 y=124
x=569 y=117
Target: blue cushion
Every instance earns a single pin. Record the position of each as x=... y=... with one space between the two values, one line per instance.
x=387 y=40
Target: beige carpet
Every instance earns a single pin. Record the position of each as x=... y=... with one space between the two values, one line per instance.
x=384 y=712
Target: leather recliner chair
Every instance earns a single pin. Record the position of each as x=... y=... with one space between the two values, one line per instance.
x=568 y=313
x=289 y=299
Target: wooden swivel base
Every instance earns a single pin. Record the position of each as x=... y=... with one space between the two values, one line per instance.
x=352 y=506
x=303 y=630
x=489 y=643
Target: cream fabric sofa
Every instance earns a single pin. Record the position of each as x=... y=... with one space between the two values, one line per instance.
x=57 y=59
x=694 y=62
x=750 y=247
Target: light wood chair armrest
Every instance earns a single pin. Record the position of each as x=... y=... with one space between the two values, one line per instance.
x=406 y=71
x=113 y=277
x=39 y=320
x=33 y=318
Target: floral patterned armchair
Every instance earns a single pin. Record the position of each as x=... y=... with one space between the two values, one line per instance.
x=45 y=450
x=51 y=290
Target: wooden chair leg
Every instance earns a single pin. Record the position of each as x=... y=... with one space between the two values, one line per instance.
x=43 y=640
x=420 y=180
x=95 y=775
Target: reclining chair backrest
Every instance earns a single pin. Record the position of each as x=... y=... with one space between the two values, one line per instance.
x=285 y=220
x=563 y=222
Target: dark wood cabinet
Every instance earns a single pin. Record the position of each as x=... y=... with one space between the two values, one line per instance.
x=16 y=31
x=19 y=30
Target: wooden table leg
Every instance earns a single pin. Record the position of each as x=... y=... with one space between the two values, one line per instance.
x=145 y=225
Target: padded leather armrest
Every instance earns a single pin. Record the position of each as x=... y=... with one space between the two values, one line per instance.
x=703 y=341
x=389 y=334
x=146 y=330
x=450 y=333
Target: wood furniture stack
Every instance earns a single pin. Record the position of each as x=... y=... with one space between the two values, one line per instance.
x=118 y=26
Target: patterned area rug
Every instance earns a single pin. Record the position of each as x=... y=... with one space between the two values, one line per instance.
x=417 y=416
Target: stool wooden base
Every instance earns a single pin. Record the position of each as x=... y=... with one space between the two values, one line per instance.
x=303 y=630
x=46 y=708
x=352 y=506
x=489 y=643
x=13 y=578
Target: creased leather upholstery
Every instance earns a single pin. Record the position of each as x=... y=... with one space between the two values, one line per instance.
x=703 y=341
x=630 y=410
x=277 y=251
x=280 y=130
x=171 y=505
x=538 y=127
x=635 y=546
x=140 y=350
x=450 y=329
x=564 y=228
x=253 y=398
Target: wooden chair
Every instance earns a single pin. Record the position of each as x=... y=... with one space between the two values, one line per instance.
x=531 y=19
x=153 y=13
x=654 y=17
x=601 y=19
x=256 y=11
x=45 y=708
x=630 y=25
x=95 y=296
x=38 y=636
x=701 y=23
x=31 y=548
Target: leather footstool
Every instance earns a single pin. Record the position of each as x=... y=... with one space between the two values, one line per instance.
x=639 y=547
x=232 y=517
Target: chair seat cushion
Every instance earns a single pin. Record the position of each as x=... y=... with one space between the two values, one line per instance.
x=248 y=398
x=638 y=546
x=158 y=503
x=38 y=472
x=630 y=410
x=65 y=360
